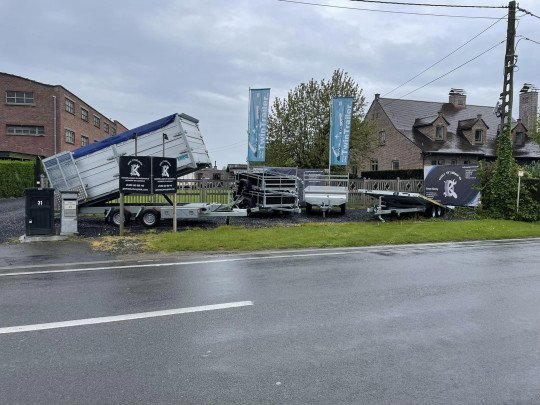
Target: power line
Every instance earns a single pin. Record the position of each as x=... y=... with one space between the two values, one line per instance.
x=528 y=12
x=387 y=11
x=532 y=40
x=447 y=73
x=427 y=4
x=444 y=58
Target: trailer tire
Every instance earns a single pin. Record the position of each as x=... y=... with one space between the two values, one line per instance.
x=115 y=217
x=150 y=218
x=308 y=208
x=343 y=208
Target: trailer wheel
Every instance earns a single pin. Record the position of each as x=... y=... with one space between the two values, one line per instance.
x=343 y=207
x=150 y=218
x=115 y=217
x=308 y=208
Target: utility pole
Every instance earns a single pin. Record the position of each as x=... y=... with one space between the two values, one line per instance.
x=509 y=63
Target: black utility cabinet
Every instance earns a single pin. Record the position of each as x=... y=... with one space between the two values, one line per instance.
x=39 y=211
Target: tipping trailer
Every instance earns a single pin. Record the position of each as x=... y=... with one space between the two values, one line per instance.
x=399 y=203
x=93 y=170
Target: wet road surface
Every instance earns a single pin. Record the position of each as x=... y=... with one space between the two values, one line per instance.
x=449 y=323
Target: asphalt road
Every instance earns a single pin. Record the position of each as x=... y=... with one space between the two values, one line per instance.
x=452 y=323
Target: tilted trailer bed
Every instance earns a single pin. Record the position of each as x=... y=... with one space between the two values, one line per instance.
x=93 y=170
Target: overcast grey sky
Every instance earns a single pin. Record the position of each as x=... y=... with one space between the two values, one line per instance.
x=137 y=61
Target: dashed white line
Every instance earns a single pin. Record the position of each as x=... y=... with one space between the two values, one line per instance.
x=119 y=318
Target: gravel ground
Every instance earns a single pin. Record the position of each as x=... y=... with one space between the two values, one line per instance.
x=12 y=212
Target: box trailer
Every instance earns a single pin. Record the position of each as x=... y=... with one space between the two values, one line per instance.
x=326 y=192
x=93 y=170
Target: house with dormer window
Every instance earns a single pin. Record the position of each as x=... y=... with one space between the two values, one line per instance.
x=414 y=134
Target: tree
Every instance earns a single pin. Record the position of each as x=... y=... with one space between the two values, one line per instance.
x=299 y=125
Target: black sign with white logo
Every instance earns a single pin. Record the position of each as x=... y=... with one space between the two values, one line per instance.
x=452 y=185
x=164 y=175
x=135 y=174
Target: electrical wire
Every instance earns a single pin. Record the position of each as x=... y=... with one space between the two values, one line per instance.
x=447 y=73
x=427 y=4
x=528 y=12
x=386 y=11
x=230 y=146
x=532 y=40
x=444 y=58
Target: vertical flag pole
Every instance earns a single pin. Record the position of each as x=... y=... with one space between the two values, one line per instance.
x=249 y=117
x=330 y=143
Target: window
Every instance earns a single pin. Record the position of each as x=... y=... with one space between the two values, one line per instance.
x=478 y=136
x=113 y=131
x=439 y=162
x=439 y=133
x=453 y=162
x=106 y=127
x=395 y=164
x=465 y=162
x=84 y=140
x=374 y=165
x=70 y=106
x=32 y=130
x=382 y=137
x=520 y=138
x=96 y=121
x=84 y=114
x=70 y=136
x=20 y=97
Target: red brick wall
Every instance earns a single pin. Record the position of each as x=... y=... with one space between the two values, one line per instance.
x=41 y=113
x=397 y=146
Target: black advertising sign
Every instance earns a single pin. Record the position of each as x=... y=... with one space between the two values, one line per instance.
x=164 y=175
x=452 y=185
x=135 y=174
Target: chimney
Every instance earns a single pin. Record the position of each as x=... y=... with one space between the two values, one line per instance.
x=458 y=98
x=528 y=106
x=377 y=95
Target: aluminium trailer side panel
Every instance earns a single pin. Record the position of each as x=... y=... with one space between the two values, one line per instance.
x=97 y=165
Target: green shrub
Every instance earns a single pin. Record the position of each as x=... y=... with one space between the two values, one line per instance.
x=15 y=176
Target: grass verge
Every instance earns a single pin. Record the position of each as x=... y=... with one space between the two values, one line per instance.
x=229 y=238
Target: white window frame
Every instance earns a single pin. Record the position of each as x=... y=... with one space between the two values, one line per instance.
x=70 y=136
x=374 y=165
x=26 y=96
x=85 y=141
x=97 y=121
x=395 y=164
x=82 y=115
x=481 y=131
x=69 y=105
x=25 y=130
x=442 y=129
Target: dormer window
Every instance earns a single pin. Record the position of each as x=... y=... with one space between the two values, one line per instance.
x=520 y=138
x=479 y=136
x=439 y=133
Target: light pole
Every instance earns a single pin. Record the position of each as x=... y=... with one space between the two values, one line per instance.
x=520 y=175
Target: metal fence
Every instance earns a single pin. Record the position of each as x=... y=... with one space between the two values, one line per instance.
x=220 y=191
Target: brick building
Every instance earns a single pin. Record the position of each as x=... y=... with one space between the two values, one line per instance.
x=38 y=119
x=413 y=134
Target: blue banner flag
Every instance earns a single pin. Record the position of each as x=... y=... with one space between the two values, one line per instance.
x=257 y=124
x=340 y=130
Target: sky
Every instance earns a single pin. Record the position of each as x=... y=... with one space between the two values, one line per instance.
x=139 y=60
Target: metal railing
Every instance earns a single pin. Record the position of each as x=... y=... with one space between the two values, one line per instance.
x=362 y=200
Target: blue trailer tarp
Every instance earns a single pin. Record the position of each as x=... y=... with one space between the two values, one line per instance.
x=124 y=136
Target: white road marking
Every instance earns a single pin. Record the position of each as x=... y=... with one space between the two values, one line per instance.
x=290 y=254
x=118 y=318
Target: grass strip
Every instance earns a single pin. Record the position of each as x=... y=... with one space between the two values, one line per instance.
x=230 y=238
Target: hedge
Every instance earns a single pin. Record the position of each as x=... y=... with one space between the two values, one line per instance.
x=15 y=176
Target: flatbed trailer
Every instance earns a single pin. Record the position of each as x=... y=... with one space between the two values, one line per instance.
x=399 y=203
x=93 y=170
